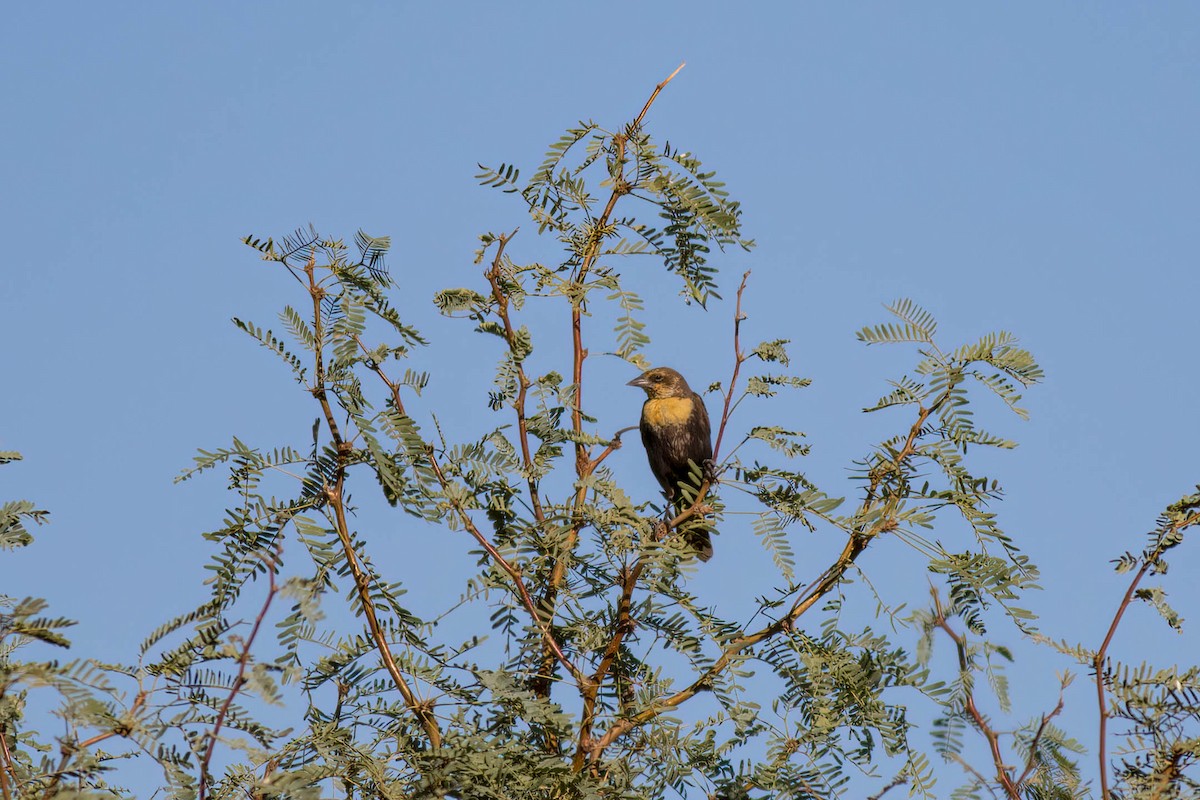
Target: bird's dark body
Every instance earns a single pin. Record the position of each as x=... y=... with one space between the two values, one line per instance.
x=676 y=433
x=672 y=445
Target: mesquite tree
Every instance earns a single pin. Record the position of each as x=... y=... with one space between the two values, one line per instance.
x=601 y=672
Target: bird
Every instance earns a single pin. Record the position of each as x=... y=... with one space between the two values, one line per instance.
x=676 y=433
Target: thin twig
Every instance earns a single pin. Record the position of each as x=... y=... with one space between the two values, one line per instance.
x=624 y=625
x=738 y=359
x=513 y=572
x=7 y=767
x=974 y=773
x=1148 y=561
x=362 y=585
x=523 y=383
x=637 y=123
x=621 y=187
x=613 y=444
x=899 y=780
x=858 y=540
x=1032 y=763
x=579 y=354
x=981 y=723
x=69 y=749
x=317 y=292
x=123 y=730
x=240 y=680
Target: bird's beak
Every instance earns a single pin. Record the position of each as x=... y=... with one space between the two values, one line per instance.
x=639 y=382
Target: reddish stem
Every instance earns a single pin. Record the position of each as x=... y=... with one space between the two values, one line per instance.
x=240 y=680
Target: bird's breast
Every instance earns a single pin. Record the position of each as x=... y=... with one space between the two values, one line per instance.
x=667 y=411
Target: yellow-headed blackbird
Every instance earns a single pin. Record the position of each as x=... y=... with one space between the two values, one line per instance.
x=676 y=431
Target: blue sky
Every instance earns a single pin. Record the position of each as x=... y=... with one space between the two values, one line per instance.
x=1027 y=167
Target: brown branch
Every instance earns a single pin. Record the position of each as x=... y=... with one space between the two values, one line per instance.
x=974 y=773
x=240 y=680
x=1148 y=561
x=981 y=723
x=858 y=540
x=1098 y=666
x=856 y=543
x=637 y=122
x=523 y=383
x=7 y=768
x=318 y=389
x=513 y=572
x=335 y=495
x=620 y=188
x=393 y=387
x=899 y=780
x=1031 y=764
x=738 y=359
x=1167 y=774
x=695 y=509
x=613 y=444
x=68 y=749
x=122 y=730
x=731 y=651
x=830 y=579
x=624 y=622
x=583 y=462
x=623 y=627
x=473 y=529
x=362 y=584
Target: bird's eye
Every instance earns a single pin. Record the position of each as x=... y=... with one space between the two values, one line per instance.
x=656 y=378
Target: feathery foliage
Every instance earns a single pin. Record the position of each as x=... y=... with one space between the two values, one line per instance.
x=596 y=669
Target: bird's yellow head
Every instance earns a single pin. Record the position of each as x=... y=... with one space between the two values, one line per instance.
x=662 y=382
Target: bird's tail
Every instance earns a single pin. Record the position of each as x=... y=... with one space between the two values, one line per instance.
x=699 y=540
